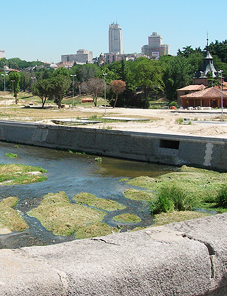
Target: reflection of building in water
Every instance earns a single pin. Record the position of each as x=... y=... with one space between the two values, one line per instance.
x=115 y=39
x=2 y=53
x=155 y=48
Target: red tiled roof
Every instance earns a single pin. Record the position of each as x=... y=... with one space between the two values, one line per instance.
x=193 y=87
x=210 y=92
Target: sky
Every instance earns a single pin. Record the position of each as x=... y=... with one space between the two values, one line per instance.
x=46 y=29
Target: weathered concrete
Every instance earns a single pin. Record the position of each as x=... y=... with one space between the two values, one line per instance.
x=187 y=258
x=171 y=149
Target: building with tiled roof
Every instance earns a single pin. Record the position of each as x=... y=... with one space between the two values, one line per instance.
x=199 y=94
x=209 y=97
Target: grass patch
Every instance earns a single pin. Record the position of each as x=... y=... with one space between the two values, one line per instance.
x=176 y=216
x=127 y=218
x=94 y=229
x=135 y=194
x=9 y=217
x=222 y=197
x=11 y=155
x=172 y=198
x=58 y=215
x=15 y=174
x=199 y=184
x=100 y=203
x=142 y=181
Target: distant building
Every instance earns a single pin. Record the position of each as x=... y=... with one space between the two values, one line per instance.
x=2 y=53
x=66 y=65
x=113 y=57
x=155 y=48
x=82 y=56
x=115 y=39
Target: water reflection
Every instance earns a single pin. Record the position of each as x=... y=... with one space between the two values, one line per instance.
x=72 y=173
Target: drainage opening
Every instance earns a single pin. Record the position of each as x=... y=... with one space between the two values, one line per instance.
x=169 y=144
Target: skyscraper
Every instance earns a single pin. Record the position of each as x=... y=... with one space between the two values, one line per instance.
x=115 y=39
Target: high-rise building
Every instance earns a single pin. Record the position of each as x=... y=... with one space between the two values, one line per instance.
x=155 y=48
x=115 y=39
x=2 y=53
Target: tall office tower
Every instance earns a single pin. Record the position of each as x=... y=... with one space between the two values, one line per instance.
x=115 y=39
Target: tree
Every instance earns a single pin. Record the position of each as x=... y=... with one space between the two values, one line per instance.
x=60 y=83
x=178 y=73
x=42 y=89
x=148 y=74
x=117 y=86
x=94 y=86
x=14 y=79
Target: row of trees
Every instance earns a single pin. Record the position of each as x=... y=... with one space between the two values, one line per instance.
x=136 y=82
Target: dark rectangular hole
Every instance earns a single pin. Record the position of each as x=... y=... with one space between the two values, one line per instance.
x=169 y=144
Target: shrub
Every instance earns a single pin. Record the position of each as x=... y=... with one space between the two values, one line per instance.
x=173 y=104
x=172 y=198
x=222 y=197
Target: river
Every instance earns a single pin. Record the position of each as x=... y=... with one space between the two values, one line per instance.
x=72 y=173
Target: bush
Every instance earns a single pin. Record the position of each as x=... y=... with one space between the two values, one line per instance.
x=222 y=197
x=173 y=104
x=172 y=198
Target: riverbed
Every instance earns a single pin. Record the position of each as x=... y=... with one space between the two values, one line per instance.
x=73 y=173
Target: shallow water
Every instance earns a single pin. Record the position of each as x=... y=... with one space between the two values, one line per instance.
x=72 y=173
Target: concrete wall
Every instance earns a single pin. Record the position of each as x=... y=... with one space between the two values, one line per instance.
x=184 y=259
x=159 y=148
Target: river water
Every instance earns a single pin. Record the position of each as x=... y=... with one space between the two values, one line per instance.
x=72 y=173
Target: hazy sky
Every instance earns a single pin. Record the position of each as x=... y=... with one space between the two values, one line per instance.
x=46 y=29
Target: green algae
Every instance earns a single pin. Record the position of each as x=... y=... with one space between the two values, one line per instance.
x=100 y=203
x=10 y=219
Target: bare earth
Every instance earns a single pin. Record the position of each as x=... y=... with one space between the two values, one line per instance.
x=163 y=121
x=160 y=121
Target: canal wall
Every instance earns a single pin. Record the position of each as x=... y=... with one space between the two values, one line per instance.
x=186 y=258
x=206 y=152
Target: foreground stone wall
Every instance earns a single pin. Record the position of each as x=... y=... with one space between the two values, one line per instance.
x=185 y=259
x=159 y=148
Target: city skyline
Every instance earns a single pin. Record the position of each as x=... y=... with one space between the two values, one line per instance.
x=38 y=30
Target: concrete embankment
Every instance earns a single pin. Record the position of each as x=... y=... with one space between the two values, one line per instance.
x=187 y=258
x=206 y=152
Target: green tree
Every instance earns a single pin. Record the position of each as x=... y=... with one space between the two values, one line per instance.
x=14 y=79
x=148 y=75
x=178 y=73
x=42 y=89
x=60 y=83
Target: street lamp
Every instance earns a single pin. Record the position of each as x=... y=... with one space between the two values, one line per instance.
x=13 y=86
x=33 y=79
x=73 y=86
x=104 y=74
x=5 y=89
x=220 y=72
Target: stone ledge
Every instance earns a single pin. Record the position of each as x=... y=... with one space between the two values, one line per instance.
x=187 y=258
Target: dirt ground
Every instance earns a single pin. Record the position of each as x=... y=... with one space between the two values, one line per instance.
x=164 y=121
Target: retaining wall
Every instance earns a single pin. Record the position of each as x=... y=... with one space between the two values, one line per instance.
x=207 y=152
